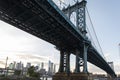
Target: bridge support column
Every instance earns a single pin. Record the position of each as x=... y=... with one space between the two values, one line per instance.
x=85 y=70
x=67 y=63
x=61 y=67
x=64 y=68
x=77 y=68
x=64 y=62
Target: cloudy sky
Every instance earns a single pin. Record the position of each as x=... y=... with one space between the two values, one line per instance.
x=21 y=46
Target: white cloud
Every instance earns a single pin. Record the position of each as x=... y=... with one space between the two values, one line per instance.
x=21 y=46
x=107 y=55
x=117 y=68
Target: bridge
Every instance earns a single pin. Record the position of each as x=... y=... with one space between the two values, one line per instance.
x=43 y=18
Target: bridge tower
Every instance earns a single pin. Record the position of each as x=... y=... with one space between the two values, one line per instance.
x=64 y=70
x=79 y=9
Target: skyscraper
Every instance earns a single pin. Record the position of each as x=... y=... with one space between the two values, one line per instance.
x=19 y=66
x=42 y=65
x=11 y=66
x=50 y=67
x=54 y=68
x=14 y=65
x=28 y=65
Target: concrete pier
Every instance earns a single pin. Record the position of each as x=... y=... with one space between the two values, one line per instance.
x=73 y=76
x=81 y=76
x=61 y=76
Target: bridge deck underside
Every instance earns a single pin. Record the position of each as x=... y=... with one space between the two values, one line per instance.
x=43 y=19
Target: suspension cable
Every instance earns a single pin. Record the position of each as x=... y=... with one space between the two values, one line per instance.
x=95 y=32
x=90 y=36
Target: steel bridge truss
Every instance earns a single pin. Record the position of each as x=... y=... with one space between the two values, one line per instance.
x=45 y=20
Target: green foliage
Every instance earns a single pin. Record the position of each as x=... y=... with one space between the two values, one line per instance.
x=2 y=75
x=36 y=74
x=17 y=72
x=31 y=72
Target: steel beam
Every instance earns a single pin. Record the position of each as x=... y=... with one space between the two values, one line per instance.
x=77 y=68
x=85 y=67
x=61 y=67
x=71 y=9
x=67 y=63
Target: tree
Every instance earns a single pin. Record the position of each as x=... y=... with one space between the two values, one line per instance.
x=17 y=72
x=31 y=72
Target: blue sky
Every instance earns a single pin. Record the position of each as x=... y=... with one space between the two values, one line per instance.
x=105 y=15
x=105 y=18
